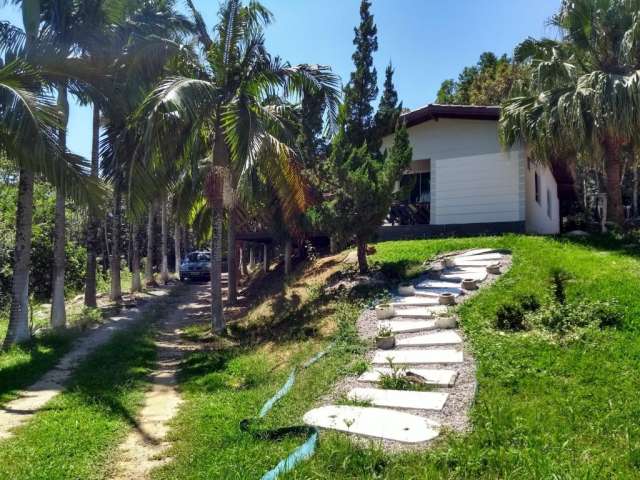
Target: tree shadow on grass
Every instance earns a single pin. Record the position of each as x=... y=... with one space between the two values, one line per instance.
x=22 y=365
x=608 y=242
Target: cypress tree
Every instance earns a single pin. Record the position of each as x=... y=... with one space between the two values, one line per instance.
x=362 y=89
x=388 y=114
x=361 y=178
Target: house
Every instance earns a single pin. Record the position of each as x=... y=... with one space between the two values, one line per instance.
x=462 y=181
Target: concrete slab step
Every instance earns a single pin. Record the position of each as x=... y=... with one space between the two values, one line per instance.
x=400 y=398
x=374 y=422
x=414 y=301
x=434 y=377
x=444 y=337
x=408 y=326
x=479 y=251
x=481 y=256
x=417 y=357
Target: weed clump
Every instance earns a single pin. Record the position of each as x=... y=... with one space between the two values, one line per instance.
x=513 y=316
x=566 y=318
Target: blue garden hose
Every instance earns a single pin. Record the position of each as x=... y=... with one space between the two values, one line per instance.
x=304 y=451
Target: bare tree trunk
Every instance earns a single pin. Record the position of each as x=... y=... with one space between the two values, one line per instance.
x=287 y=256
x=362 y=255
x=18 y=330
x=90 y=285
x=613 y=166
x=252 y=258
x=265 y=258
x=241 y=260
x=148 y=267
x=58 y=317
x=634 y=194
x=217 y=316
x=58 y=314
x=164 y=268
x=232 y=264
x=333 y=245
x=136 y=284
x=176 y=246
x=116 y=287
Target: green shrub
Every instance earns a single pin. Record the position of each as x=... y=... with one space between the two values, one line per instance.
x=395 y=270
x=529 y=302
x=510 y=316
x=565 y=318
x=559 y=279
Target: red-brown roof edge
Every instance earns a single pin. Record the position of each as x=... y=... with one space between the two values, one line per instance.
x=435 y=111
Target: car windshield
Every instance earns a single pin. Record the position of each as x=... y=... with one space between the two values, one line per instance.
x=198 y=257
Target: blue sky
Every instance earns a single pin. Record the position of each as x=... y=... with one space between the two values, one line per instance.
x=428 y=41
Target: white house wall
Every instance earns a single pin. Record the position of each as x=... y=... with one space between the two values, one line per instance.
x=487 y=188
x=538 y=218
x=473 y=180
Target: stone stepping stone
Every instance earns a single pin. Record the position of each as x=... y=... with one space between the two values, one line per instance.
x=478 y=251
x=445 y=337
x=400 y=398
x=436 y=378
x=419 y=312
x=414 y=301
x=408 y=326
x=464 y=262
x=459 y=274
x=436 y=292
x=414 y=312
x=374 y=422
x=438 y=284
x=486 y=257
x=417 y=357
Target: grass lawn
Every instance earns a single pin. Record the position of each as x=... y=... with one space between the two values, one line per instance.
x=76 y=433
x=545 y=408
x=22 y=365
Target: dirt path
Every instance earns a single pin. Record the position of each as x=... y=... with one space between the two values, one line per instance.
x=31 y=400
x=144 y=448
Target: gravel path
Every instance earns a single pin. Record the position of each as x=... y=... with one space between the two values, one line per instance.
x=454 y=416
x=34 y=398
x=145 y=446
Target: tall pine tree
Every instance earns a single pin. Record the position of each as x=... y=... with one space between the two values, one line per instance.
x=359 y=190
x=362 y=89
x=389 y=110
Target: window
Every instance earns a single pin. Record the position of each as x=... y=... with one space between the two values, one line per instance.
x=548 y=203
x=418 y=187
x=536 y=180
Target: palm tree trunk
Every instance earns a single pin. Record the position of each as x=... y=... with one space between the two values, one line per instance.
x=58 y=315
x=362 y=255
x=93 y=224
x=18 y=330
x=116 y=288
x=136 y=284
x=148 y=266
x=232 y=264
x=164 y=268
x=176 y=246
x=287 y=256
x=217 y=316
x=613 y=166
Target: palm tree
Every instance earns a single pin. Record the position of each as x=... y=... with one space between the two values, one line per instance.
x=148 y=38
x=584 y=91
x=224 y=104
x=30 y=126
